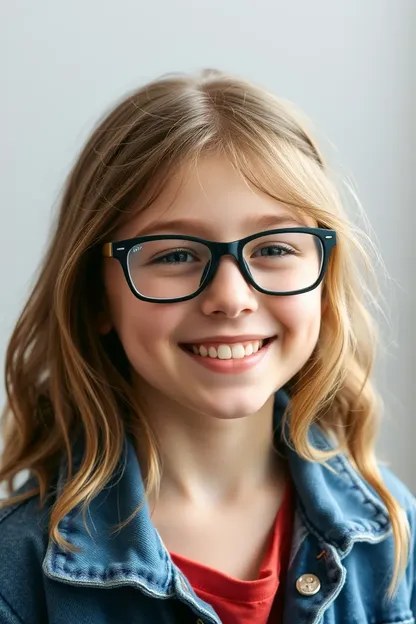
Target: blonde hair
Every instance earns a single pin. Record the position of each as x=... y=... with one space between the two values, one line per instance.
x=63 y=379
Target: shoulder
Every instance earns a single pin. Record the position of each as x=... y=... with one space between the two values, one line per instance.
x=407 y=501
x=27 y=519
x=23 y=544
x=399 y=490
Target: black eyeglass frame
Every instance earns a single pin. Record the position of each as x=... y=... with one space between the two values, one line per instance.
x=121 y=249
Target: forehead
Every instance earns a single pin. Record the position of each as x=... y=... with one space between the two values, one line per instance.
x=212 y=199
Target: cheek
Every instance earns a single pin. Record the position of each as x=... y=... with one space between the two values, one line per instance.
x=300 y=316
x=147 y=332
x=148 y=335
x=145 y=327
x=136 y=322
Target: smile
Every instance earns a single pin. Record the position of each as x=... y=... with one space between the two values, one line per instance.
x=235 y=351
x=229 y=357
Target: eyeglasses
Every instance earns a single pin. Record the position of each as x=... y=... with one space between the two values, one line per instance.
x=171 y=268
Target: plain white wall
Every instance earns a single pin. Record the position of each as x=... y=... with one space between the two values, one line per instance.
x=349 y=64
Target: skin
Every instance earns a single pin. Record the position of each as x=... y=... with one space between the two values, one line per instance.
x=215 y=431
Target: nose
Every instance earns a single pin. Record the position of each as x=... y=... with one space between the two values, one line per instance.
x=228 y=294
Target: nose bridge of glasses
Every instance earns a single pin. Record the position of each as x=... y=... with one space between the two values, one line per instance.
x=221 y=250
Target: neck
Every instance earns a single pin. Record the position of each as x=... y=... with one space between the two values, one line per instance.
x=211 y=460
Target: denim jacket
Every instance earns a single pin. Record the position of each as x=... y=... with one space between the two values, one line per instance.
x=340 y=568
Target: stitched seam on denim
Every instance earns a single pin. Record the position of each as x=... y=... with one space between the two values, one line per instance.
x=115 y=584
x=321 y=538
x=335 y=592
x=169 y=565
x=188 y=599
x=352 y=535
x=357 y=484
x=357 y=481
x=12 y=609
x=331 y=595
x=58 y=553
x=110 y=573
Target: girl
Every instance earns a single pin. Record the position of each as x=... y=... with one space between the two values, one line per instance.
x=189 y=385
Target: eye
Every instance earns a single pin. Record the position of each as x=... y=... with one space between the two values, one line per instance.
x=274 y=250
x=176 y=256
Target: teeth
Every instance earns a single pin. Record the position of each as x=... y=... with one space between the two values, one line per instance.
x=238 y=351
x=229 y=352
x=224 y=352
x=249 y=350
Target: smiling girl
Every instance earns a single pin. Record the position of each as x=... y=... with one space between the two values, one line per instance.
x=189 y=385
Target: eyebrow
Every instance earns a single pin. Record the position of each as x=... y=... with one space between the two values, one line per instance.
x=196 y=228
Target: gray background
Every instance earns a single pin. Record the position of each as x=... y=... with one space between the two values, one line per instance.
x=350 y=64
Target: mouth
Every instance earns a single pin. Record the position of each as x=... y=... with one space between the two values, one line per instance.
x=227 y=351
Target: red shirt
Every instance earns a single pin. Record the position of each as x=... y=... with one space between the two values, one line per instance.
x=248 y=602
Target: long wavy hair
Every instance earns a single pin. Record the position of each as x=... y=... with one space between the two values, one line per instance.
x=64 y=379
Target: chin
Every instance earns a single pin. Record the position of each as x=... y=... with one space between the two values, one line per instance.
x=230 y=406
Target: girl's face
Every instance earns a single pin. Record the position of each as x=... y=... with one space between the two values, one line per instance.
x=213 y=202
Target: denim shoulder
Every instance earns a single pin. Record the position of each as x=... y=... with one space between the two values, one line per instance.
x=23 y=544
x=407 y=501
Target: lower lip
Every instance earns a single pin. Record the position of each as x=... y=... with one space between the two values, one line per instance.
x=231 y=366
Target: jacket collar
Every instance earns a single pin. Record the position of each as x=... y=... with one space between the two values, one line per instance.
x=336 y=504
x=104 y=555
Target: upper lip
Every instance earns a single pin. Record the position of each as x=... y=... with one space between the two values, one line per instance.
x=231 y=339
